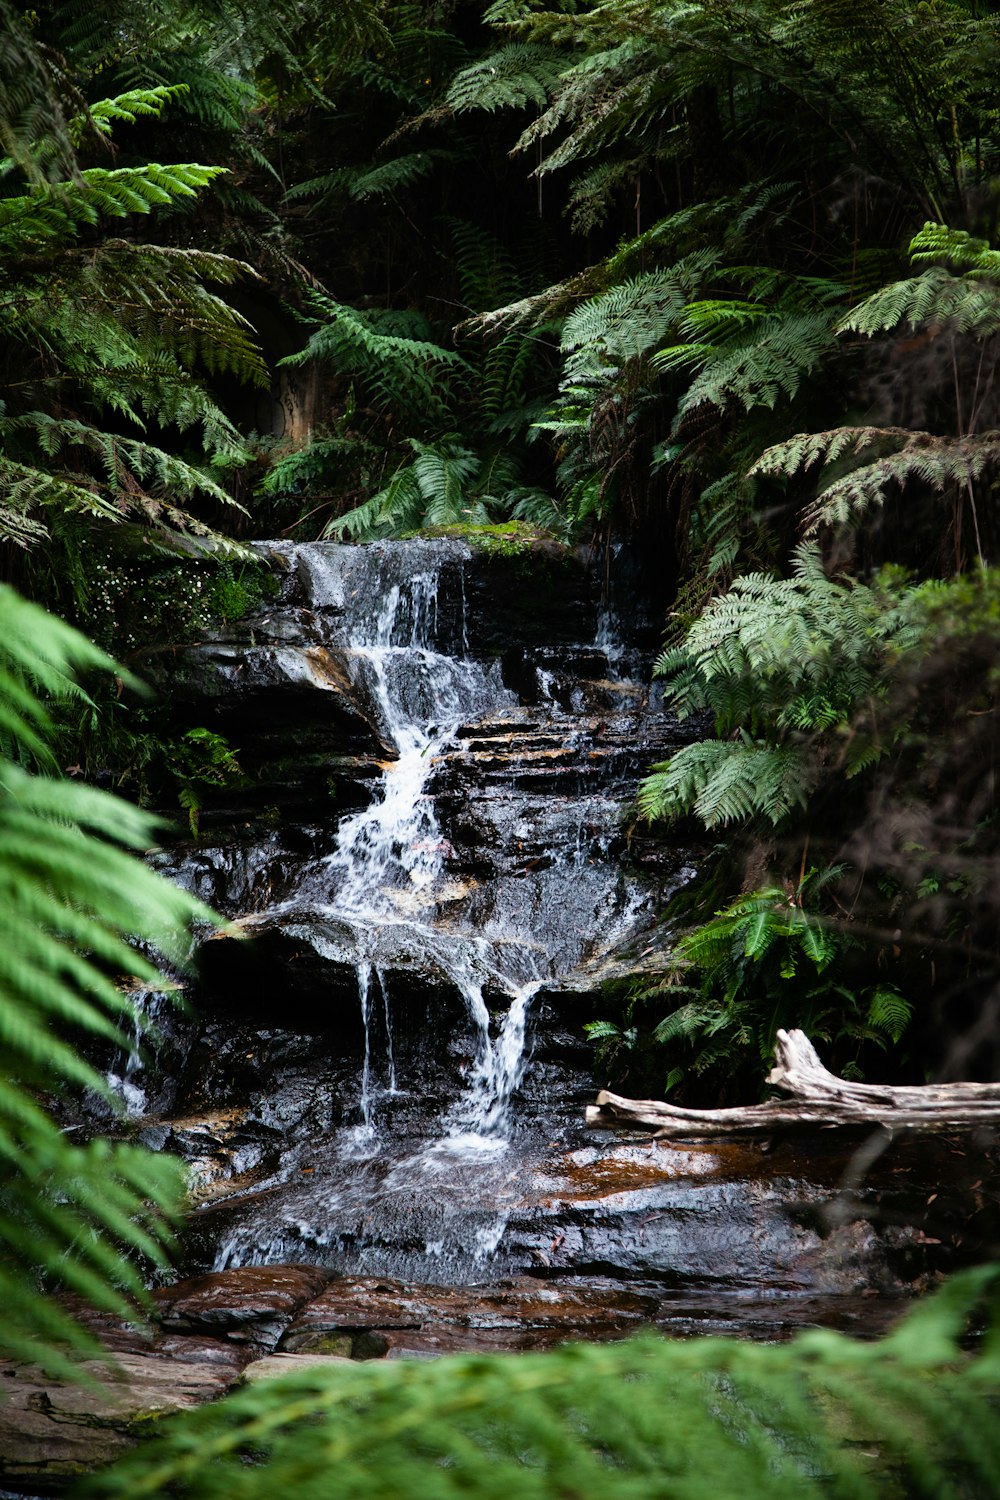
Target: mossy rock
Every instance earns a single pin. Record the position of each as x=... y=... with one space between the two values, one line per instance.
x=504 y=539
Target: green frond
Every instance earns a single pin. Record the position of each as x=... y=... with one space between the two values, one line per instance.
x=511 y=77
x=765 y=361
x=686 y=1021
x=75 y=901
x=806 y=449
x=889 y=1011
x=967 y=304
x=405 y=372
x=723 y=782
x=633 y=316
x=937 y=242
x=125 y=108
x=942 y=464
x=397 y=507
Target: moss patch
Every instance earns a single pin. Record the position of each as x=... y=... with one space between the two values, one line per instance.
x=504 y=539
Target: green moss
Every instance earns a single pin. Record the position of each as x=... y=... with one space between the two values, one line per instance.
x=504 y=539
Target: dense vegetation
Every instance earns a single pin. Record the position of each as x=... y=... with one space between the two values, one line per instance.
x=717 y=277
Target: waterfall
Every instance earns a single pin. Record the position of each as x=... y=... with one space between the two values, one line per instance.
x=390 y=857
x=479 y=868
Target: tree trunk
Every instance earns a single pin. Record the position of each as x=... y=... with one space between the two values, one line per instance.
x=815 y=1099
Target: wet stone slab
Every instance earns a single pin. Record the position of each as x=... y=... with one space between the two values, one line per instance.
x=373 y=1317
x=252 y=1304
x=51 y=1432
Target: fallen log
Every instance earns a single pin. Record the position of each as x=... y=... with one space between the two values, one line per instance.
x=816 y=1099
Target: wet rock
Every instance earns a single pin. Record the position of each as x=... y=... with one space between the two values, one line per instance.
x=51 y=1431
x=384 y=1318
x=311 y=960
x=251 y=1305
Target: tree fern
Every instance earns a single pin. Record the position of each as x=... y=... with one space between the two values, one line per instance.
x=967 y=304
x=723 y=782
x=405 y=372
x=633 y=316
x=778 y=662
x=114 y=330
x=751 y=354
x=73 y=895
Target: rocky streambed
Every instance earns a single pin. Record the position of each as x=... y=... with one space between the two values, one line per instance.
x=429 y=874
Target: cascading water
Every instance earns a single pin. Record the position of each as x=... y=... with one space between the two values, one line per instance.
x=390 y=857
x=434 y=860
x=478 y=873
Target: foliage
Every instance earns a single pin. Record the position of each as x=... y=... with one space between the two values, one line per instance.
x=770 y=960
x=74 y=898
x=957 y=316
x=821 y=1416
x=108 y=342
x=781 y=664
x=200 y=759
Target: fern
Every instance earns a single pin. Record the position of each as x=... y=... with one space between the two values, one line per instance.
x=765 y=357
x=511 y=77
x=129 y=329
x=964 y=304
x=769 y=959
x=404 y=372
x=775 y=660
x=889 y=1012
x=631 y=317
x=888 y=458
x=724 y=782
x=73 y=894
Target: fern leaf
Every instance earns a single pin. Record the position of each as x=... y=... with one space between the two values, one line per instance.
x=511 y=77
x=967 y=304
x=889 y=1011
x=74 y=899
x=723 y=782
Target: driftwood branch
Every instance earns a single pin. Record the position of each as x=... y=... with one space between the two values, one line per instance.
x=815 y=1099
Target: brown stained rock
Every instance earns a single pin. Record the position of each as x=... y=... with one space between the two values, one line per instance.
x=51 y=1431
x=383 y=1317
x=251 y=1305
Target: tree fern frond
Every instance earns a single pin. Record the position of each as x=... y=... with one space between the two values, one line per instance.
x=763 y=364
x=397 y=507
x=724 y=782
x=511 y=77
x=809 y=448
x=74 y=900
x=125 y=108
x=633 y=315
x=937 y=242
x=942 y=464
x=60 y=209
x=967 y=304
x=406 y=371
x=442 y=473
